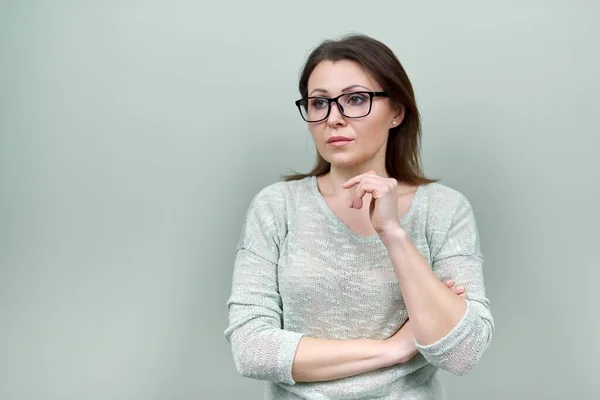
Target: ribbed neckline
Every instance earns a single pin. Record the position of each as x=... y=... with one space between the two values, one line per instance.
x=332 y=216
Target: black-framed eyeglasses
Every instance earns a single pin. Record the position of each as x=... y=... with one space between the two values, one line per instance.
x=350 y=105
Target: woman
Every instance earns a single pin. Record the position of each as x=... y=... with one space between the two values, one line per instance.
x=349 y=281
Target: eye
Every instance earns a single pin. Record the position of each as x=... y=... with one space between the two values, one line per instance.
x=356 y=99
x=319 y=103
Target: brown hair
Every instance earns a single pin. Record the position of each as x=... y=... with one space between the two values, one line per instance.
x=402 y=158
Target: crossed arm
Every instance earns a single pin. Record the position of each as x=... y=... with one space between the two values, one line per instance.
x=449 y=331
x=324 y=360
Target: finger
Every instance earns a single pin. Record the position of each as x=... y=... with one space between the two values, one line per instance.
x=449 y=282
x=463 y=295
x=361 y=190
x=375 y=189
x=356 y=199
x=356 y=179
x=352 y=181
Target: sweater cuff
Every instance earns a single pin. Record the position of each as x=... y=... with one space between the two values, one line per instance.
x=286 y=355
x=441 y=350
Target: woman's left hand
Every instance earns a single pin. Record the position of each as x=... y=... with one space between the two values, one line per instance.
x=383 y=209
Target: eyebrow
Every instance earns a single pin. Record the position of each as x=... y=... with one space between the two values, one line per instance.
x=343 y=90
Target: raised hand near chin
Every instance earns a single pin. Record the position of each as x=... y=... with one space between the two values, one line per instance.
x=383 y=209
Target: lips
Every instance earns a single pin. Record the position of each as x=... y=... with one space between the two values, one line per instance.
x=335 y=139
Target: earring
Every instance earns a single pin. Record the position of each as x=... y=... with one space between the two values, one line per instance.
x=393 y=122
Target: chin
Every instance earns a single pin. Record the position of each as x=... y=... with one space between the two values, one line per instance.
x=343 y=160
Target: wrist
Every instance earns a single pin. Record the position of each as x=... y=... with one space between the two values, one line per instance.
x=401 y=351
x=391 y=353
x=394 y=235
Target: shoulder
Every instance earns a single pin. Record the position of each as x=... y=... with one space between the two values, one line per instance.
x=443 y=204
x=270 y=194
x=442 y=196
x=276 y=199
x=280 y=192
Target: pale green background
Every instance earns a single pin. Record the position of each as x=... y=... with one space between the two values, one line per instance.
x=134 y=134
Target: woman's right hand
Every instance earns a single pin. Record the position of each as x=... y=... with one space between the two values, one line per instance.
x=401 y=346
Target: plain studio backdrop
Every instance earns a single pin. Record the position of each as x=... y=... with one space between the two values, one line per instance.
x=135 y=133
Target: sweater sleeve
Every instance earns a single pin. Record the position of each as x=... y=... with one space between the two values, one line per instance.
x=459 y=258
x=261 y=349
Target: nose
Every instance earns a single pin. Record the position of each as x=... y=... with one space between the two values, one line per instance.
x=335 y=116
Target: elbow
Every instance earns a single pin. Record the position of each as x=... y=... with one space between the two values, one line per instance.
x=462 y=349
x=245 y=362
x=246 y=348
x=254 y=358
x=470 y=354
x=264 y=353
x=242 y=365
x=464 y=366
x=463 y=369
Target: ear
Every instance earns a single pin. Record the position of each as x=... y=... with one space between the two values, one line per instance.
x=399 y=116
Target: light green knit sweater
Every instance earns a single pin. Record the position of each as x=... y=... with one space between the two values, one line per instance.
x=299 y=270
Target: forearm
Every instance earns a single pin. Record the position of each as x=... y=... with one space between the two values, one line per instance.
x=433 y=309
x=325 y=360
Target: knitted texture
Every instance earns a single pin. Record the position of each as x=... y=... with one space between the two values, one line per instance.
x=299 y=270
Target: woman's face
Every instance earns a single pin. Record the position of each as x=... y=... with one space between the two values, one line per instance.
x=365 y=137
